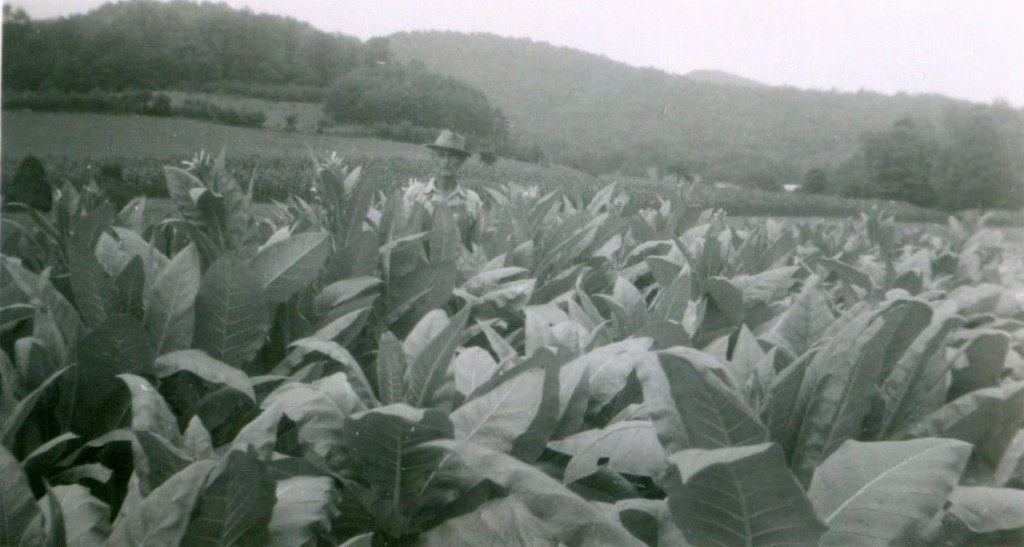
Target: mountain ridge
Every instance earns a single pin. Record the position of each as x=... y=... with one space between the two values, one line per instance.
x=603 y=115
x=722 y=77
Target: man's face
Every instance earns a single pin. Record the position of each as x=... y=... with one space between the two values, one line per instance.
x=446 y=164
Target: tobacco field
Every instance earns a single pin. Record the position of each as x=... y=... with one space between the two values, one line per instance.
x=342 y=372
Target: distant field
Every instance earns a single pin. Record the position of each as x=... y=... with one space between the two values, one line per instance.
x=307 y=114
x=72 y=145
x=96 y=136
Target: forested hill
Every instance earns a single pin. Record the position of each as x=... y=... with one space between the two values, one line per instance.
x=148 y=44
x=723 y=78
x=596 y=113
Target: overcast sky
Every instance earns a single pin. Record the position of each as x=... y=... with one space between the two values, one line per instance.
x=967 y=49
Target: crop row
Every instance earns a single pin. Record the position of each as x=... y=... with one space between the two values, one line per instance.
x=344 y=370
x=277 y=178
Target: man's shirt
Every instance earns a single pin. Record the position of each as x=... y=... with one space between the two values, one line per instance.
x=462 y=201
x=464 y=204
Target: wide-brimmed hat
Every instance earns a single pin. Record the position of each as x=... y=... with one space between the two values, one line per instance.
x=450 y=141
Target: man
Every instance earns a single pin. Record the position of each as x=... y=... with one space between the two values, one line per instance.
x=448 y=154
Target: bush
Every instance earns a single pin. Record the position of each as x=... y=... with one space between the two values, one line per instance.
x=404 y=132
x=815 y=182
x=488 y=156
x=110 y=181
x=206 y=110
x=30 y=185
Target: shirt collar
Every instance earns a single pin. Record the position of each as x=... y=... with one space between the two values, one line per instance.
x=432 y=187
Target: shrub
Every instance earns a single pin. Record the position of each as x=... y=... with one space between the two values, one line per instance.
x=110 y=181
x=206 y=110
x=30 y=185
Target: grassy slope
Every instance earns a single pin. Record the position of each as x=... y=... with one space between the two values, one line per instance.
x=96 y=136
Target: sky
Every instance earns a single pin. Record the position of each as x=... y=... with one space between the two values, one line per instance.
x=965 y=49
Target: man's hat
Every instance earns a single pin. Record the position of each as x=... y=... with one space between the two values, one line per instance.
x=450 y=141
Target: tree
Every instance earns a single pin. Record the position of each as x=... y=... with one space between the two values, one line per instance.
x=30 y=185
x=815 y=181
x=900 y=163
x=982 y=166
x=680 y=169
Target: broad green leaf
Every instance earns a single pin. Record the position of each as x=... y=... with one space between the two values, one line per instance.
x=607 y=369
x=692 y=406
x=29 y=286
x=170 y=304
x=391 y=367
x=12 y=423
x=564 y=515
x=848 y=273
x=90 y=285
x=1010 y=471
x=162 y=517
x=386 y=446
x=629 y=446
x=411 y=296
x=985 y=509
x=362 y=540
x=766 y=287
x=425 y=330
x=744 y=357
x=156 y=460
x=44 y=352
x=426 y=373
x=304 y=510
x=741 y=495
x=910 y=380
x=651 y=521
x=672 y=300
x=876 y=493
x=359 y=194
x=917 y=318
x=777 y=411
x=231 y=314
x=197 y=442
x=486 y=280
x=130 y=285
x=506 y=520
x=340 y=355
x=723 y=310
x=319 y=408
x=472 y=368
x=119 y=345
x=289 y=265
x=982 y=363
x=180 y=184
x=18 y=507
x=150 y=412
x=236 y=506
x=497 y=417
x=86 y=519
x=116 y=254
x=342 y=291
x=53 y=516
x=205 y=367
x=499 y=345
x=987 y=418
x=839 y=389
x=802 y=325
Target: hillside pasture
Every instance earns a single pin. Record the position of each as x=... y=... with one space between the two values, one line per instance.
x=307 y=115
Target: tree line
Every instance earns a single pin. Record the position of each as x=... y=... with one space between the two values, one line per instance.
x=972 y=158
x=149 y=45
